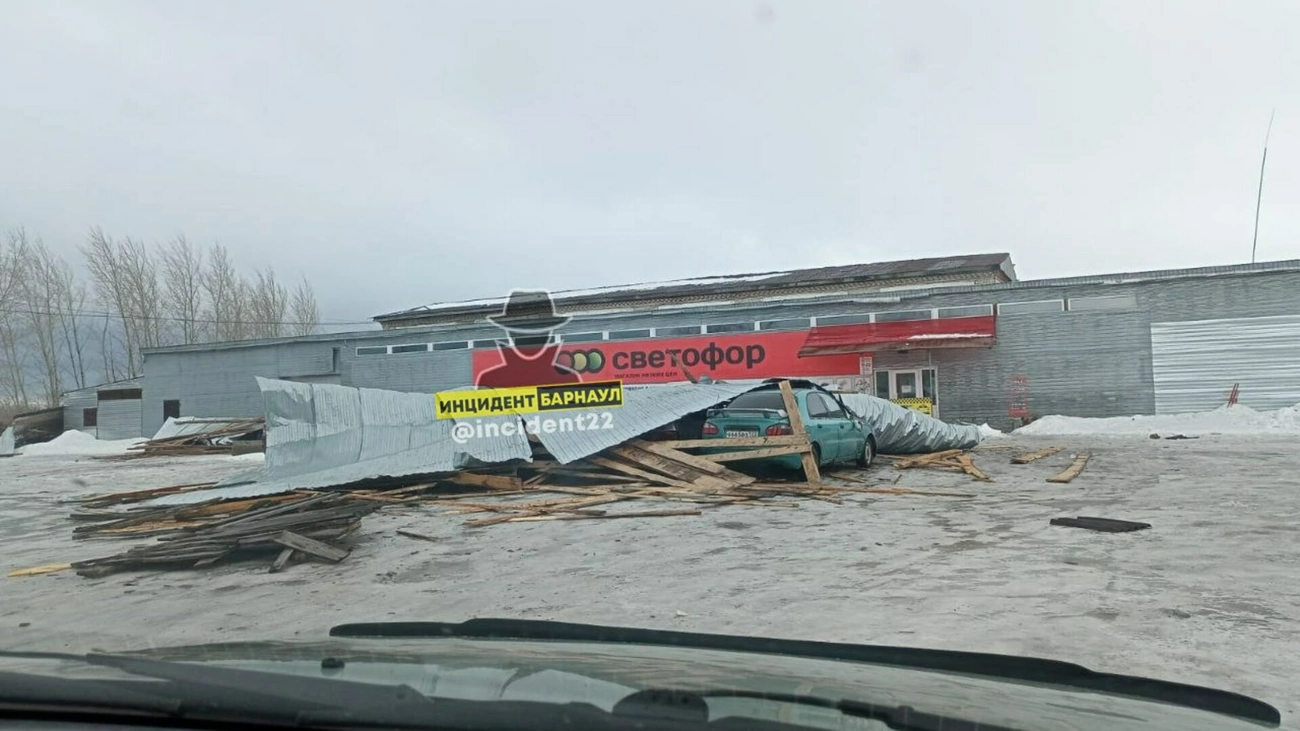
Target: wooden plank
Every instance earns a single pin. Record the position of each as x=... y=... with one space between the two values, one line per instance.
x=1071 y=472
x=1028 y=457
x=759 y=453
x=289 y=539
x=280 y=561
x=811 y=470
x=968 y=466
x=417 y=536
x=492 y=482
x=607 y=516
x=790 y=439
x=40 y=570
x=705 y=463
x=617 y=466
x=926 y=459
x=672 y=468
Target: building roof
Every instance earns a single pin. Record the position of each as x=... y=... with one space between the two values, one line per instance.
x=947 y=267
x=891 y=294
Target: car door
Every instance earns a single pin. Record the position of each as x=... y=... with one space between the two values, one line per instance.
x=852 y=439
x=821 y=428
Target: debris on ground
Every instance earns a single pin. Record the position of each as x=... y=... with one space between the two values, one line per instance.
x=196 y=436
x=202 y=524
x=199 y=536
x=1028 y=457
x=957 y=460
x=1071 y=472
x=1106 y=525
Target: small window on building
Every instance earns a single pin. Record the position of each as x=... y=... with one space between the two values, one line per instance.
x=454 y=345
x=902 y=315
x=843 y=320
x=629 y=334
x=373 y=350
x=1031 y=308
x=673 y=332
x=882 y=384
x=90 y=417
x=582 y=337
x=172 y=409
x=966 y=311
x=730 y=327
x=1103 y=304
x=793 y=323
x=415 y=348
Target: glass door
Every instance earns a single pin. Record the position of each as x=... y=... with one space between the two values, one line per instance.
x=905 y=384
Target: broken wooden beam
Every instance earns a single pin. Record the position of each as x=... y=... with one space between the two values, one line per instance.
x=1073 y=470
x=297 y=542
x=811 y=470
x=1028 y=457
x=968 y=466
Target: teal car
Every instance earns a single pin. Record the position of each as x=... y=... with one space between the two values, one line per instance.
x=838 y=435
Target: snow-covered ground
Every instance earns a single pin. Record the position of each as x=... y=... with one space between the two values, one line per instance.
x=1224 y=420
x=74 y=443
x=1207 y=596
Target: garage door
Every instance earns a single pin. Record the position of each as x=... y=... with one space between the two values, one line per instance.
x=1196 y=363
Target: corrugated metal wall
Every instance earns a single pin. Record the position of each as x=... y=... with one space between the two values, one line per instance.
x=1091 y=362
x=119 y=419
x=74 y=405
x=1196 y=363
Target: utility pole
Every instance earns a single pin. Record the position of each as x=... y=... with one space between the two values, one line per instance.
x=1259 y=195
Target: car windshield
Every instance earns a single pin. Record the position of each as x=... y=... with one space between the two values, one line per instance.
x=324 y=312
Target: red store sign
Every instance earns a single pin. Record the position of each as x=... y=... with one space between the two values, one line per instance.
x=720 y=357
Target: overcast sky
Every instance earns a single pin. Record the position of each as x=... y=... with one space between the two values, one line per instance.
x=404 y=153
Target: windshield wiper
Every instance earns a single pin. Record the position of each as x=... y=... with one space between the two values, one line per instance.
x=1006 y=667
x=693 y=705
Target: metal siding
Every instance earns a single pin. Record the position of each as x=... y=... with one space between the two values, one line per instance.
x=119 y=419
x=1196 y=363
x=443 y=370
x=1076 y=363
x=74 y=403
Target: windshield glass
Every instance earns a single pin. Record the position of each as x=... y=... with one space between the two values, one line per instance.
x=944 y=326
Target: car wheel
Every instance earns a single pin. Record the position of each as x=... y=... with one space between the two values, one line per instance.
x=868 y=454
x=817 y=454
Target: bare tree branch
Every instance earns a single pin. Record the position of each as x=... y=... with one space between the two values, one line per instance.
x=183 y=287
x=303 y=310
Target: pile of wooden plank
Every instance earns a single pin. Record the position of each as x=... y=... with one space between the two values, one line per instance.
x=223 y=436
x=200 y=536
x=954 y=460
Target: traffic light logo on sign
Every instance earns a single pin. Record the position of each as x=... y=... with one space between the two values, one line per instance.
x=582 y=361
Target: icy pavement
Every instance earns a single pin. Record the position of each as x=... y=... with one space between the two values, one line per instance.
x=1207 y=596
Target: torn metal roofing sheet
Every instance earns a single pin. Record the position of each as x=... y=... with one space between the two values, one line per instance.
x=199 y=425
x=7 y=442
x=643 y=409
x=322 y=435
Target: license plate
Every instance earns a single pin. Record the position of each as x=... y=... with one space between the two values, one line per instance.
x=741 y=433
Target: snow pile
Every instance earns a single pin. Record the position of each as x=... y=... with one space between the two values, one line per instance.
x=1223 y=420
x=988 y=432
x=76 y=443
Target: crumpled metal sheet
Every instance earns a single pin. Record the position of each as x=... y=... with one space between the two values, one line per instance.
x=194 y=426
x=321 y=435
x=7 y=442
x=644 y=408
x=904 y=431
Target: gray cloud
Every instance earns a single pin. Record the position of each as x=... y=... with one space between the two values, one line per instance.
x=401 y=153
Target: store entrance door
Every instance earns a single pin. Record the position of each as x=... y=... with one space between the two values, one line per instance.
x=912 y=387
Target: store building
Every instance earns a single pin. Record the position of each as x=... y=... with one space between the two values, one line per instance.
x=958 y=336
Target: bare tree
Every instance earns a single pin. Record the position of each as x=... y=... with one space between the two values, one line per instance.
x=41 y=289
x=224 y=292
x=303 y=310
x=269 y=304
x=107 y=274
x=13 y=358
x=183 y=287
